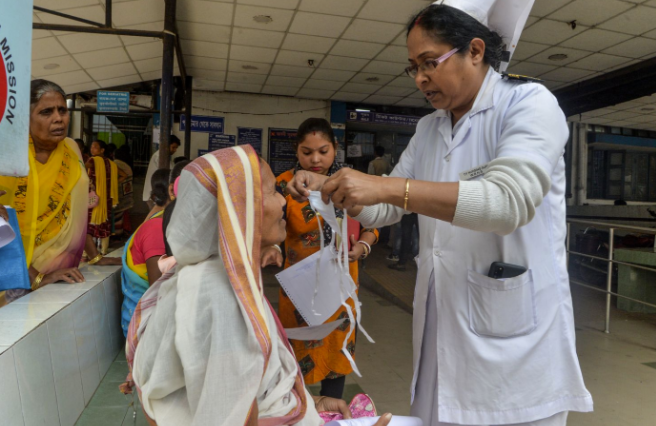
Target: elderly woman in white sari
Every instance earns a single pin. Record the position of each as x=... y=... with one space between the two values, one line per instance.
x=204 y=345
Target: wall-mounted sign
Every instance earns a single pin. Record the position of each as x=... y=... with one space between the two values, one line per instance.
x=221 y=141
x=282 y=155
x=382 y=118
x=202 y=152
x=109 y=101
x=250 y=136
x=15 y=71
x=203 y=123
x=354 y=151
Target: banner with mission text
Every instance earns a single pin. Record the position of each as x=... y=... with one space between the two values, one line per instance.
x=15 y=72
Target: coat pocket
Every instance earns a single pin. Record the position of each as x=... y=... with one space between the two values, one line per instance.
x=501 y=308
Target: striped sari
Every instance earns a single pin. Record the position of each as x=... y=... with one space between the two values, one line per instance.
x=204 y=343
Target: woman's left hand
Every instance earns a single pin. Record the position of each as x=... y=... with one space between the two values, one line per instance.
x=325 y=403
x=349 y=188
x=357 y=250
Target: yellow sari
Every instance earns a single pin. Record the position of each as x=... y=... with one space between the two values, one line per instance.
x=51 y=204
x=99 y=214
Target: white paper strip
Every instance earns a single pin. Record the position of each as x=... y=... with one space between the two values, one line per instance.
x=370 y=421
x=7 y=234
x=313 y=333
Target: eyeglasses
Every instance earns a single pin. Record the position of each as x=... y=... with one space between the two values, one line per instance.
x=429 y=65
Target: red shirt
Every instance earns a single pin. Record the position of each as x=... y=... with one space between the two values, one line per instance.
x=148 y=241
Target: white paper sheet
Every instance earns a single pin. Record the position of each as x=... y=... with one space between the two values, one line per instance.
x=299 y=280
x=314 y=332
x=370 y=421
x=7 y=234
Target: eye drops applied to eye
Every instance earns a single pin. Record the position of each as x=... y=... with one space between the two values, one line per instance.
x=370 y=421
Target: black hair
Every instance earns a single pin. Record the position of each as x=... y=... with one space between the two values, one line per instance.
x=102 y=144
x=166 y=218
x=174 y=139
x=446 y=24
x=40 y=87
x=379 y=150
x=81 y=145
x=312 y=125
x=123 y=154
x=159 y=182
x=176 y=171
x=176 y=160
x=110 y=150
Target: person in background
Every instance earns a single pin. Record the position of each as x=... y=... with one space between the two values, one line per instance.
x=178 y=159
x=83 y=149
x=379 y=166
x=125 y=193
x=123 y=153
x=51 y=202
x=174 y=144
x=103 y=174
x=409 y=227
x=321 y=361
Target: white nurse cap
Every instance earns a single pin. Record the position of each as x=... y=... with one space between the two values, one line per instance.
x=506 y=17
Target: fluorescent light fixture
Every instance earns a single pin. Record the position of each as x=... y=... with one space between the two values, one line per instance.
x=362 y=110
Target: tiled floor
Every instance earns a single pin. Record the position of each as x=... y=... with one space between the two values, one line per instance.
x=619 y=368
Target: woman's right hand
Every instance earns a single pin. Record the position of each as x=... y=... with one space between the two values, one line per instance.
x=304 y=182
x=68 y=275
x=271 y=256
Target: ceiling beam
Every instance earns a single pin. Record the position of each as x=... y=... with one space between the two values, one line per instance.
x=615 y=87
x=67 y=16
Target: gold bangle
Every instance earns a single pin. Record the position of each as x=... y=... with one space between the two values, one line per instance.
x=96 y=259
x=37 y=281
x=407 y=194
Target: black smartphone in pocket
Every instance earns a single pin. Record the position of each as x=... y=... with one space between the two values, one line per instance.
x=500 y=270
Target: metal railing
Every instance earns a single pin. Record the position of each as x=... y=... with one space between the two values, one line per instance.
x=612 y=227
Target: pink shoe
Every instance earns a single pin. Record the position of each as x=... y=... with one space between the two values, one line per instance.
x=361 y=406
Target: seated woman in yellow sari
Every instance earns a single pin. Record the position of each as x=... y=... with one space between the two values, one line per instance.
x=51 y=202
x=204 y=345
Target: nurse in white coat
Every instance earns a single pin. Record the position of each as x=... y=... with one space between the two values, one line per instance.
x=486 y=174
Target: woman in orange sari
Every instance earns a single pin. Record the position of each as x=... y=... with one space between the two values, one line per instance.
x=320 y=360
x=51 y=202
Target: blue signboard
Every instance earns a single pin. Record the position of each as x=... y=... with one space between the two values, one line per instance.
x=203 y=124
x=109 y=101
x=221 y=141
x=202 y=152
x=381 y=118
x=250 y=136
x=282 y=155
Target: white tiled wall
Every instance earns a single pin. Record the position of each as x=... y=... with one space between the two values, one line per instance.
x=56 y=344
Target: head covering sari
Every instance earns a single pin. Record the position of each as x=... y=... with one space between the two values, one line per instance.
x=51 y=204
x=204 y=343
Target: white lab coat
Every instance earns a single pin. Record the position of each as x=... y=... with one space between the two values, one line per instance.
x=505 y=349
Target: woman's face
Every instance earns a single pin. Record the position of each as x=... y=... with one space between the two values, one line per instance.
x=49 y=120
x=451 y=84
x=316 y=153
x=96 y=150
x=273 y=225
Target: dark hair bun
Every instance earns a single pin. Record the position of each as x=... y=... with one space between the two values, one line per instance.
x=159 y=193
